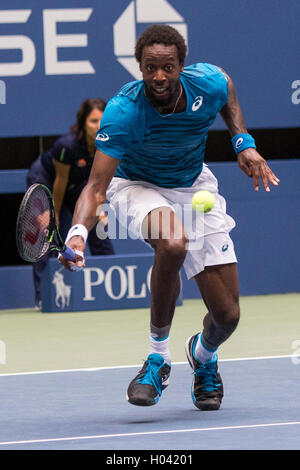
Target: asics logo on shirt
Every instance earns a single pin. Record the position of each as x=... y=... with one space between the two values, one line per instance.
x=197 y=103
x=103 y=137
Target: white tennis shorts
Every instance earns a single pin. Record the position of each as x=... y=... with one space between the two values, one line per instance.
x=209 y=240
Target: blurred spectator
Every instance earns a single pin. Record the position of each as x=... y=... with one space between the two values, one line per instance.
x=65 y=169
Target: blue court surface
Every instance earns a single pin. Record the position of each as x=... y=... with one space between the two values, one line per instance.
x=87 y=409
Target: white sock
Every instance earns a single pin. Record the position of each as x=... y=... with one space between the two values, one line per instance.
x=161 y=347
x=201 y=353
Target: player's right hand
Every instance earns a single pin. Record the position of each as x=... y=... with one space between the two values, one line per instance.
x=77 y=244
x=256 y=167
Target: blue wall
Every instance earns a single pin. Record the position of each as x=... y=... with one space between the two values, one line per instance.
x=256 y=42
x=267 y=233
x=266 y=237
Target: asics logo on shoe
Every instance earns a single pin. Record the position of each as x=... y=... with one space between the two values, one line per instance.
x=164 y=377
x=197 y=103
x=146 y=388
x=103 y=137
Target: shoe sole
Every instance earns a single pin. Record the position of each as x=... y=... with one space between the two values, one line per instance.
x=140 y=402
x=187 y=351
x=207 y=406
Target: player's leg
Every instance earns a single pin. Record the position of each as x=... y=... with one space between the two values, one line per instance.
x=219 y=289
x=165 y=233
x=167 y=238
x=38 y=174
x=99 y=246
x=220 y=292
x=37 y=270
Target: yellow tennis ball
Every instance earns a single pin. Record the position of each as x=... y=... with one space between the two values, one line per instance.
x=203 y=201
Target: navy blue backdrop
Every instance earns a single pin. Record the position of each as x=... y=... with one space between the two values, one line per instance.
x=54 y=54
x=266 y=240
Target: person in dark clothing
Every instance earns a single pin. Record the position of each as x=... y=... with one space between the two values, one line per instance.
x=65 y=169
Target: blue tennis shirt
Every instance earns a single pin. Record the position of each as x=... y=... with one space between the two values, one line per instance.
x=165 y=150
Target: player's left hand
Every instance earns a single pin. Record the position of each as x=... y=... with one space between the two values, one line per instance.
x=256 y=167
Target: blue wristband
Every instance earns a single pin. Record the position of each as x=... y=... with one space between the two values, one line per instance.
x=242 y=142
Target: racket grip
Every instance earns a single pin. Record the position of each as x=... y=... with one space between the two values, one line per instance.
x=69 y=254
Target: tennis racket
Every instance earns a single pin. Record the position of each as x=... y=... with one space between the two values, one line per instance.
x=36 y=231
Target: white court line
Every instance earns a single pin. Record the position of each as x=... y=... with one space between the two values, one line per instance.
x=149 y=433
x=92 y=369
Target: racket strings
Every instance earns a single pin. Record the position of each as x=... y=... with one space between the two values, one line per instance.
x=34 y=221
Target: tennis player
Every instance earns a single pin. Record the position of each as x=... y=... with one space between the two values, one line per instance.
x=149 y=159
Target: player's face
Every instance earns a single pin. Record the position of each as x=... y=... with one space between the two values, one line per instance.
x=161 y=73
x=92 y=123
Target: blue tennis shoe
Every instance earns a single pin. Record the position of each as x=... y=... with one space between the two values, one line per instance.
x=146 y=388
x=207 y=387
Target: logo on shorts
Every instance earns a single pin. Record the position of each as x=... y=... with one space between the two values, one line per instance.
x=103 y=137
x=225 y=247
x=197 y=103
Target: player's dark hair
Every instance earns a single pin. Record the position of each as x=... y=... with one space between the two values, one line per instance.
x=85 y=109
x=161 y=34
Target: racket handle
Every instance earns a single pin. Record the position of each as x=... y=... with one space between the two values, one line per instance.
x=69 y=254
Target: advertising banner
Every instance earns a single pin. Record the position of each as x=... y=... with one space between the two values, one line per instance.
x=106 y=283
x=54 y=54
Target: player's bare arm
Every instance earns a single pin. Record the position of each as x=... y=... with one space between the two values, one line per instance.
x=249 y=160
x=92 y=196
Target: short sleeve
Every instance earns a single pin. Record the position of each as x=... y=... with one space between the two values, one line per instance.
x=116 y=128
x=62 y=151
x=219 y=86
x=210 y=80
